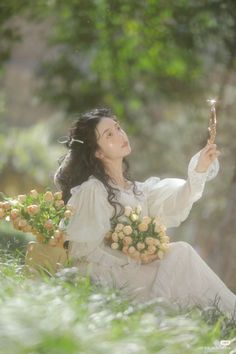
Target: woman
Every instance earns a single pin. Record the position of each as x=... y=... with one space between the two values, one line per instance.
x=95 y=181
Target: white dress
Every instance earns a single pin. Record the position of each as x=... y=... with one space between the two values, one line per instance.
x=182 y=276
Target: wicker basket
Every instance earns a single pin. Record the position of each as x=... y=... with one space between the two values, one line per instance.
x=43 y=258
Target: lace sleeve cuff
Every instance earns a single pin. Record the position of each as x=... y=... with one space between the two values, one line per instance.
x=202 y=177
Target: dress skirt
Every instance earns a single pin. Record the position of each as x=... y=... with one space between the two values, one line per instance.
x=182 y=276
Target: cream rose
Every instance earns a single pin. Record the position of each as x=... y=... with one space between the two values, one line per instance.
x=127 y=230
x=128 y=211
x=165 y=239
x=131 y=249
x=119 y=227
x=140 y=246
x=151 y=249
x=143 y=227
x=58 y=195
x=114 y=236
x=114 y=246
x=127 y=240
x=156 y=242
x=146 y=219
x=149 y=240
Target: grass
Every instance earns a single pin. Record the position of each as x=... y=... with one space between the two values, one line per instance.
x=68 y=314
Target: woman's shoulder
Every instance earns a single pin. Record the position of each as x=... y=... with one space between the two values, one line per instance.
x=148 y=183
x=90 y=185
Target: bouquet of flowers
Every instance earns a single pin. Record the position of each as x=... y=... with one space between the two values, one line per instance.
x=142 y=238
x=38 y=213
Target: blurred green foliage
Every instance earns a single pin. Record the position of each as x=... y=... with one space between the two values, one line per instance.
x=124 y=54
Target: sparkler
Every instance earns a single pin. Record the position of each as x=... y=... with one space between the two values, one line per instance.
x=212 y=121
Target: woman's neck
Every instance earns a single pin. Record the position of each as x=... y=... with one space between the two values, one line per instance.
x=115 y=173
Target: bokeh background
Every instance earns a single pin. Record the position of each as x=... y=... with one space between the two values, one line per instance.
x=155 y=63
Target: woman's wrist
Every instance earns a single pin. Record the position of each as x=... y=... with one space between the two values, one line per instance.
x=200 y=169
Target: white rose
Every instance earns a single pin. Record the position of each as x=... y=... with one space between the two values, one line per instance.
x=119 y=227
x=114 y=236
x=146 y=219
x=128 y=211
x=114 y=246
x=127 y=230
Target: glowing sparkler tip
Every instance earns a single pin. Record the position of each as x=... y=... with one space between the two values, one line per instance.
x=212 y=101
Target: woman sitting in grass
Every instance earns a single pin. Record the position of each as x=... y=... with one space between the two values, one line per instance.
x=95 y=181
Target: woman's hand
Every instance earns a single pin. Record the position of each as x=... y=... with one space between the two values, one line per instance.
x=207 y=156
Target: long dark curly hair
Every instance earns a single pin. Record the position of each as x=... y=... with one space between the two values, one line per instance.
x=80 y=162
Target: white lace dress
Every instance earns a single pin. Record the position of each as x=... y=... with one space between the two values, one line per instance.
x=181 y=276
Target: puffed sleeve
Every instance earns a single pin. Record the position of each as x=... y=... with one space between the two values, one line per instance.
x=91 y=219
x=172 y=198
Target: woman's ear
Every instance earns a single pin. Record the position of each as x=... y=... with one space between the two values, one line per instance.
x=99 y=154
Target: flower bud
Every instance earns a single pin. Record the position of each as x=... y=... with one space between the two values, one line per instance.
x=32 y=209
x=48 y=196
x=134 y=217
x=21 y=198
x=48 y=224
x=121 y=235
x=14 y=213
x=138 y=209
x=67 y=214
x=34 y=193
x=58 y=195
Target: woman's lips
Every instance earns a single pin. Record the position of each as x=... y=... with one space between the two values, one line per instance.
x=125 y=144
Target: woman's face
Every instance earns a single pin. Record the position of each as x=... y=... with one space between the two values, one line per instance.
x=112 y=140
